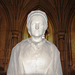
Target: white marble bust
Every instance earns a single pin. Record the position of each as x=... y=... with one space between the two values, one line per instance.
x=35 y=55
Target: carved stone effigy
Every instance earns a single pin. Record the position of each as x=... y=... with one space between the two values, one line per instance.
x=35 y=55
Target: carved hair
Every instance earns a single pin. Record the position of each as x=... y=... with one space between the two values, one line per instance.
x=36 y=12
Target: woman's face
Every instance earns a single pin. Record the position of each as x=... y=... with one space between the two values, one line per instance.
x=37 y=25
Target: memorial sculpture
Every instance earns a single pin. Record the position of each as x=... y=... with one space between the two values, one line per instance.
x=35 y=55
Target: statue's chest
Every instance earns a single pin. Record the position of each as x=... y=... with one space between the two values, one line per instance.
x=36 y=61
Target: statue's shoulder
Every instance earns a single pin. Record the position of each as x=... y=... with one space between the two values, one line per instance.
x=53 y=47
x=20 y=44
x=25 y=41
x=49 y=43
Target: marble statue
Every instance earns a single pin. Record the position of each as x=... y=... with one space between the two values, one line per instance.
x=35 y=55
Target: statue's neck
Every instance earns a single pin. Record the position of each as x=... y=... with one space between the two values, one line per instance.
x=36 y=39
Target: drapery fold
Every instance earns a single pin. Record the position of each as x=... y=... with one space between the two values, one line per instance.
x=28 y=58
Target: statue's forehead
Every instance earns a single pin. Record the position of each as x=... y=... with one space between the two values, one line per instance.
x=37 y=18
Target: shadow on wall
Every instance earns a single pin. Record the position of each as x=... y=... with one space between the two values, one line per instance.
x=72 y=72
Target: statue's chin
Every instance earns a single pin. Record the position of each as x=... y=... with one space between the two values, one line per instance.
x=36 y=36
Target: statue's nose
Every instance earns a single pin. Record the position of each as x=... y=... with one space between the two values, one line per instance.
x=37 y=26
